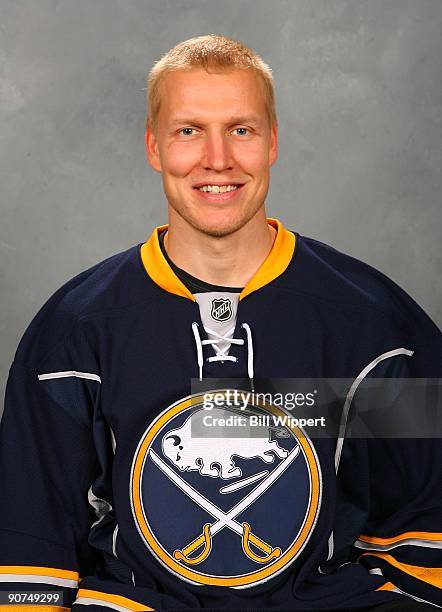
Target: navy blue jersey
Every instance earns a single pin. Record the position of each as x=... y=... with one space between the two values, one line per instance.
x=110 y=500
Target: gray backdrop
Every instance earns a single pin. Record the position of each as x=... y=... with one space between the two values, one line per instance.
x=360 y=108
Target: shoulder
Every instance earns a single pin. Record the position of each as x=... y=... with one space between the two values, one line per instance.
x=322 y=273
x=349 y=278
x=114 y=283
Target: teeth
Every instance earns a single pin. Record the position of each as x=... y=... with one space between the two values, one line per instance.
x=217 y=188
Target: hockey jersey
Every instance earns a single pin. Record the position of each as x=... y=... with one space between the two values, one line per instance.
x=110 y=498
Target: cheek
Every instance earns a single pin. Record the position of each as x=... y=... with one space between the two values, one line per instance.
x=179 y=159
x=253 y=157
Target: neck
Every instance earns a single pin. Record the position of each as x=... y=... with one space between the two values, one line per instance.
x=230 y=260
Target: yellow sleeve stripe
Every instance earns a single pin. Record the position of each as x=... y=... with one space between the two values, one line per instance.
x=30 y=608
x=39 y=571
x=430 y=575
x=415 y=535
x=388 y=586
x=115 y=599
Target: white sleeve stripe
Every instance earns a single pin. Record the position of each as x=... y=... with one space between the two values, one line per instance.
x=348 y=400
x=32 y=578
x=114 y=541
x=101 y=506
x=397 y=590
x=69 y=374
x=86 y=601
x=345 y=412
x=406 y=542
x=377 y=571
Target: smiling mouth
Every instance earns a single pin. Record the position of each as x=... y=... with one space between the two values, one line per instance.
x=218 y=193
x=218 y=188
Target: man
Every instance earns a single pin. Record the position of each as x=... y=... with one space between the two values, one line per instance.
x=106 y=484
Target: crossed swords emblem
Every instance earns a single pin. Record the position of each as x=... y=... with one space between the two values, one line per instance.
x=225 y=519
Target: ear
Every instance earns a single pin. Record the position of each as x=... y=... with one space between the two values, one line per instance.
x=152 y=149
x=273 y=147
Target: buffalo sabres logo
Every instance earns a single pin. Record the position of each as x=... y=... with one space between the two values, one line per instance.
x=221 y=309
x=233 y=510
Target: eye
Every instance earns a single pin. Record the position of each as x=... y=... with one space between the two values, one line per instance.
x=187 y=131
x=242 y=131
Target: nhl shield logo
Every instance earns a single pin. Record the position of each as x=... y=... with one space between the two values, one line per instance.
x=221 y=309
x=234 y=510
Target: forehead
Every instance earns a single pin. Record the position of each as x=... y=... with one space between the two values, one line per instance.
x=212 y=96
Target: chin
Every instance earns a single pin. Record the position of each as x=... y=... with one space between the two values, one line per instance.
x=218 y=228
x=220 y=223
x=217 y=222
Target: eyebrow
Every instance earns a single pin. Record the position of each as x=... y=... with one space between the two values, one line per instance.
x=232 y=121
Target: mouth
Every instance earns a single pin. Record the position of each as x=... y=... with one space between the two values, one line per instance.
x=218 y=192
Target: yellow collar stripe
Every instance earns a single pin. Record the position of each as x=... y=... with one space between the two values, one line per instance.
x=273 y=266
x=158 y=269
x=276 y=261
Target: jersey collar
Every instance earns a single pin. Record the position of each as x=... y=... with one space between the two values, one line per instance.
x=273 y=266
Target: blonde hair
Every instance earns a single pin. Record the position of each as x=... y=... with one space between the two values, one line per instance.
x=210 y=51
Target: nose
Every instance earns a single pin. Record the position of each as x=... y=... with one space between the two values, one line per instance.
x=217 y=153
